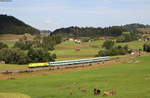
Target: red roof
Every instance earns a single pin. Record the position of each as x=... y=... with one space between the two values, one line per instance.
x=148 y=37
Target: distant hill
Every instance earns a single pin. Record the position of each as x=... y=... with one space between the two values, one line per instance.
x=136 y=27
x=90 y=31
x=12 y=25
x=45 y=32
x=99 y=31
x=145 y=30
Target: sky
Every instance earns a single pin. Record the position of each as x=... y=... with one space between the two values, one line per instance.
x=54 y=14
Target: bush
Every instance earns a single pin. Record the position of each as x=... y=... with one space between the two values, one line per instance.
x=13 y=56
x=23 y=45
x=118 y=50
x=17 y=56
x=40 y=55
x=85 y=39
x=2 y=45
x=53 y=57
x=47 y=42
x=146 y=47
x=50 y=41
x=127 y=37
x=108 y=44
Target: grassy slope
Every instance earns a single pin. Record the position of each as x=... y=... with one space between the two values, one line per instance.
x=4 y=37
x=66 y=50
x=12 y=66
x=9 y=43
x=10 y=39
x=13 y=95
x=134 y=44
x=129 y=80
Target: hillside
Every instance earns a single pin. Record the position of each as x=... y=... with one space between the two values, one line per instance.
x=146 y=30
x=99 y=31
x=12 y=25
x=15 y=37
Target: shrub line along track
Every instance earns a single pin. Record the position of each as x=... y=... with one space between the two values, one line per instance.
x=64 y=66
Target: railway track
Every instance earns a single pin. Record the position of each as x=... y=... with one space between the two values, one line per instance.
x=45 y=68
x=62 y=67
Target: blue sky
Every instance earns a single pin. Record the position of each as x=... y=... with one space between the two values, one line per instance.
x=53 y=14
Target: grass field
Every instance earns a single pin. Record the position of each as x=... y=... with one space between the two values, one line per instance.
x=10 y=39
x=67 y=50
x=13 y=95
x=130 y=80
x=9 y=43
x=11 y=66
x=4 y=37
x=134 y=44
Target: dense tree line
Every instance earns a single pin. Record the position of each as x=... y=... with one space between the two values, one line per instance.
x=18 y=56
x=28 y=51
x=111 y=50
x=47 y=42
x=135 y=27
x=90 y=31
x=127 y=37
x=13 y=56
x=95 y=32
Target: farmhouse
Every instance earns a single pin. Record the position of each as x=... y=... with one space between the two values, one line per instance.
x=147 y=38
x=75 y=40
x=71 y=39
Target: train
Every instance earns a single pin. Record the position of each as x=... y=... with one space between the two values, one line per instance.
x=68 y=62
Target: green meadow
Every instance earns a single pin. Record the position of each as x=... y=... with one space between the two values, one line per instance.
x=13 y=95
x=9 y=43
x=130 y=80
x=11 y=66
x=67 y=50
x=134 y=44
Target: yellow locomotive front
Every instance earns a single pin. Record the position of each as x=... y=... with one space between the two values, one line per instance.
x=32 y=65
